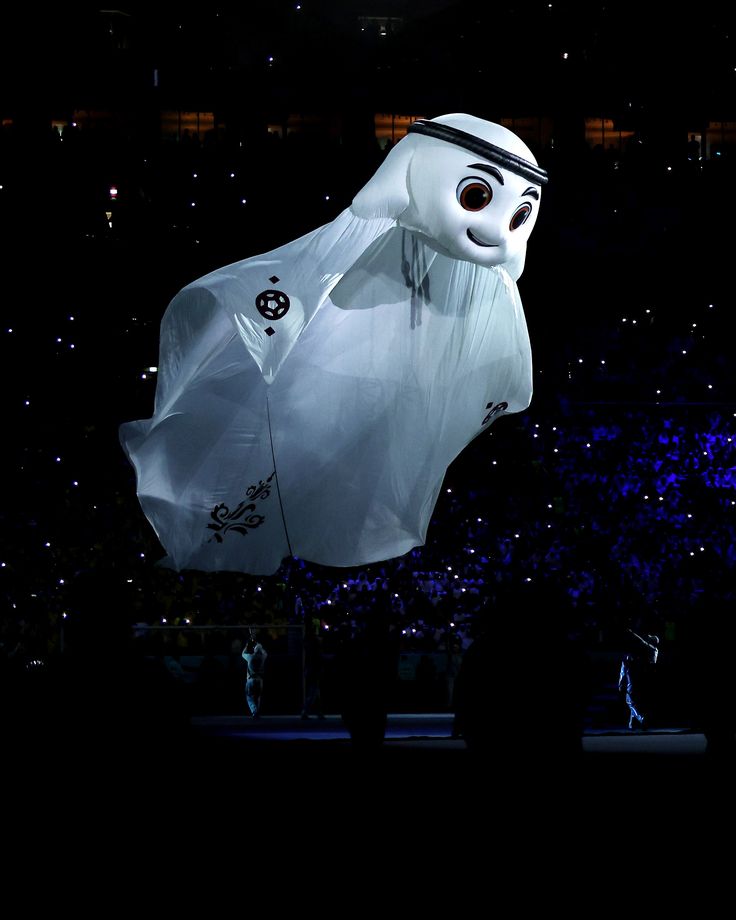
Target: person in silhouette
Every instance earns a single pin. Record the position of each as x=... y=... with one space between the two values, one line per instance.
x=711 y=677
x=693 y=149
x=255 y=656
x=522 y=684
x=367 y=668
x=313 y=671
x=635 y=674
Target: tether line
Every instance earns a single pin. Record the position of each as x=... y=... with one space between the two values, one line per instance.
x=275 y=472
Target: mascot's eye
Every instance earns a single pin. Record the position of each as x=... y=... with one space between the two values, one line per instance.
x=521 y=215
x=474 y=194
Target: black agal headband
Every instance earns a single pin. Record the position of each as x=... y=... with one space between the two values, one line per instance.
x=483 y=148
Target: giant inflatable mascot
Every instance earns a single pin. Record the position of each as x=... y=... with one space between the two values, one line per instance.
x=310 y=400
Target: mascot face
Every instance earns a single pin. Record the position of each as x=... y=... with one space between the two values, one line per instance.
x=468 y=207
x=471 y=188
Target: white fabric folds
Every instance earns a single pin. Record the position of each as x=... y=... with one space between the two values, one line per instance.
x=310 y=400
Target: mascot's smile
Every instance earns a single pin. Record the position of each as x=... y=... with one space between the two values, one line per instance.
x=474 y=239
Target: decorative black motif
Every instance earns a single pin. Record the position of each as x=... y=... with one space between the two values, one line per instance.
x=241 y=519
x=495 y=410
x=273 y=304
x=269 y=330
x=273 y=279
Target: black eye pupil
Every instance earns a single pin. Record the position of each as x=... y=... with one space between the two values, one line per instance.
x=474 y=197
x=520 y=216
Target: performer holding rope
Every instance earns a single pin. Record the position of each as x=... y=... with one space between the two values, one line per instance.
x=635 y=674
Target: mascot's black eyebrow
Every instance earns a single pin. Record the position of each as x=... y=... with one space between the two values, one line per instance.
x=486 y=167
x=531 y=192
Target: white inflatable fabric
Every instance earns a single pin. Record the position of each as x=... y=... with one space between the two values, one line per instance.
x=310 y=400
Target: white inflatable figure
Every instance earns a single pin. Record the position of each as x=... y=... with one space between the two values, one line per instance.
x=310 y=400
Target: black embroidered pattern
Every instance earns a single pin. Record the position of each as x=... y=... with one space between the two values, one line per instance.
x=495 y=410
x=242 y=518
x=272 y=304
